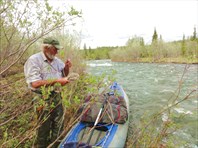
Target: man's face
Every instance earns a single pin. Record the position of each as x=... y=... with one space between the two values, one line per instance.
x=51 y=52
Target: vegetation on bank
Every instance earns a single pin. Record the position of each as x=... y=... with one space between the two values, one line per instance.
x=22 y=31
x=135 y=50
x=98 y=53
x=18 y=118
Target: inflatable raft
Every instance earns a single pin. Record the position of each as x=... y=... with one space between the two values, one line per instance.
x=111 y=135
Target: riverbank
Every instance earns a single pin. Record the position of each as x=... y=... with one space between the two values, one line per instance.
x=160 y=60
x=18 y=122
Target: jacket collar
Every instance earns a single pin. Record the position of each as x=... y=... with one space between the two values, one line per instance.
x=43 y=56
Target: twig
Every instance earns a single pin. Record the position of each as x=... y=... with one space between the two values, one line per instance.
x=15 y=116
x=155 y=117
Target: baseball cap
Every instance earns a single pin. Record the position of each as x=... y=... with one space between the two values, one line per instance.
x=52 y=41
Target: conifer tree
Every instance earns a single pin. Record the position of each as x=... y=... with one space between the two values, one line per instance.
x=85 y=49
x=183 y=48
x=161 y=38
x=142 y=42
x=194 y=37
x=155 y=36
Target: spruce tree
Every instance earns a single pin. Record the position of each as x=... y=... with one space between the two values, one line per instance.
x=142 y=42
x=161 y=38
x=183 y=48
x=194 y=37
x=155 y=36
x=85 y=49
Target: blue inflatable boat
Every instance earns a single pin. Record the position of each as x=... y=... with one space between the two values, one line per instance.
x=103 y=135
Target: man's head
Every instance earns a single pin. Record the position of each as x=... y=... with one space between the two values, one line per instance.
x=51 y=47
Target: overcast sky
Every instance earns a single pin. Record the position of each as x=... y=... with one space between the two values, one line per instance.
x=113 y=22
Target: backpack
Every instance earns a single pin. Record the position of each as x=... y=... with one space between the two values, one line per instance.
x=115 y=110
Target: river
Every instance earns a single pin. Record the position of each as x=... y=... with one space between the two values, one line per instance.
x=151 y=87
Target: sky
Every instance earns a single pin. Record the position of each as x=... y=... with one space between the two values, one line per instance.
x=113 y=22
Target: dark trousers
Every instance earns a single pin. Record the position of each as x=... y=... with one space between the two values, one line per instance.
x=51 y=124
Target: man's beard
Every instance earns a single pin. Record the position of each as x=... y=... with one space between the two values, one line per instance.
x=50 y=56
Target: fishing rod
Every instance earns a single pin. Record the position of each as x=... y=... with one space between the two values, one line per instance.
x=100 y=112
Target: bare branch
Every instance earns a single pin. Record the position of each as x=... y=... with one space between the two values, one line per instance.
x=4 y=9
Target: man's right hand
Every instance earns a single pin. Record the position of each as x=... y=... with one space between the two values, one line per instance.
x=63 y=81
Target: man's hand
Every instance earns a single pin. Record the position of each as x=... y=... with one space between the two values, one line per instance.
x=63 y=81
x=73 y=76
x=68 y=63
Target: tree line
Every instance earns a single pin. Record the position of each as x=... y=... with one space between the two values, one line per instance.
x=135 y=50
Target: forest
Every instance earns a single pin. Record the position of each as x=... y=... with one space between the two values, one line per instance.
x=158 y=51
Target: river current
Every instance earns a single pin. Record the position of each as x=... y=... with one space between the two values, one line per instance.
x=151 y=87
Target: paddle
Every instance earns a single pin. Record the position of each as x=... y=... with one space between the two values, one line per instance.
x=100 y=112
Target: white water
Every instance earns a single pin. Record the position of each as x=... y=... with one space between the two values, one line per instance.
x=151 y=87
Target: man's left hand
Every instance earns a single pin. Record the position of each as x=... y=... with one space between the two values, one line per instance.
x=68 y=63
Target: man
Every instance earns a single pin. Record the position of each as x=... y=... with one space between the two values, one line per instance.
x=43 y=70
